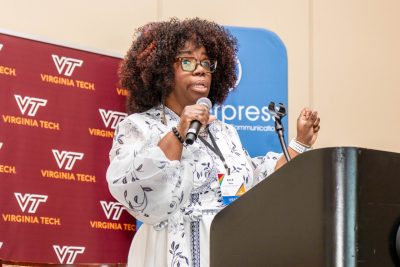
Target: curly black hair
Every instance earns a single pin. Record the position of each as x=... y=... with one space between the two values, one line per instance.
x=147 y=72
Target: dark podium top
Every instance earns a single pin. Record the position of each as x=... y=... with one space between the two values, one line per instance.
x=336 y=207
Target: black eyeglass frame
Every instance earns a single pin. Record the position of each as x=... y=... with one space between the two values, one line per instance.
x=213 y=62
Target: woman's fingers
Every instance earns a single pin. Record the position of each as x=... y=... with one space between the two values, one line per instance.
x=197 y=112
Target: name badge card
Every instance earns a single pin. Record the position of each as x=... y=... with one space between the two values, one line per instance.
x=232 y=187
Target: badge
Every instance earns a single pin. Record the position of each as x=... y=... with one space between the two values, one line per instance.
x=232 y=187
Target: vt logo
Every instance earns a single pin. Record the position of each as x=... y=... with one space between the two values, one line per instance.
x=111 y=117
x=67 y=253
x=66 y=65
x=112 y=210
x=66 y=159
x=1 y=46
x=29 y=104
x=30 y=201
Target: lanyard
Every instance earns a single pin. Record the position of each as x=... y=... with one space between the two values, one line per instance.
x=214 y=148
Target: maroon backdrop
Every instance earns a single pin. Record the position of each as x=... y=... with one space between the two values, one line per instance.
x=58 y=107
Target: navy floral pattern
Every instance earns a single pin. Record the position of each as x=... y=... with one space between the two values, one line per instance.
x=175 y=199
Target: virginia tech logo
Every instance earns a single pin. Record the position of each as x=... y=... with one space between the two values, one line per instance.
x=67 y=254
x=29 y=104
x=66 y=65
x=66 y=159
x=112 y=210
x=30 y=202
x=111 y=117
x=1 y=46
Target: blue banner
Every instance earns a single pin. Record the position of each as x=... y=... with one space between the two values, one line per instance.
x=262 y=77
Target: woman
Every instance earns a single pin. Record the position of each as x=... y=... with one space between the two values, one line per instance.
x=173 y=188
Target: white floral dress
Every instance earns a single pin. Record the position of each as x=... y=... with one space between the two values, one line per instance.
x=175 y=200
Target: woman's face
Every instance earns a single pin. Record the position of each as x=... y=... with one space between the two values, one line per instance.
x=189 y=86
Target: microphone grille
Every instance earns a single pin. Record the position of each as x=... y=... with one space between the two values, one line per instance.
x=204 y=101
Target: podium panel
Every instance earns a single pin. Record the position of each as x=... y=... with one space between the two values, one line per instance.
x=336 y=207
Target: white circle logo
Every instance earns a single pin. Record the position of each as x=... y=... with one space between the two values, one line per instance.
x=238 y=73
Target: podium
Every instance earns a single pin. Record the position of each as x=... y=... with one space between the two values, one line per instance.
x=331 y=207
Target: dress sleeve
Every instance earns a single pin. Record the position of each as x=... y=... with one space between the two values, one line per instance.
x=263 y=166
x=141 y=177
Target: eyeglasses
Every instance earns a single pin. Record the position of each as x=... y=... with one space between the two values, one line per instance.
x=190 y=64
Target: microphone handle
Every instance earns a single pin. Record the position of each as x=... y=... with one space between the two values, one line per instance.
x=279 y=131
x=193 y=131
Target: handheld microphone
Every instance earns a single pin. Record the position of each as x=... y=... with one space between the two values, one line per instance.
x=195 y=125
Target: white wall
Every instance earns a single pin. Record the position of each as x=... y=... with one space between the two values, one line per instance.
x=344 y=56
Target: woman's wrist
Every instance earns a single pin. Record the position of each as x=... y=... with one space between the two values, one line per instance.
x=298 y=146
x=178 y=135
x=301 y=142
